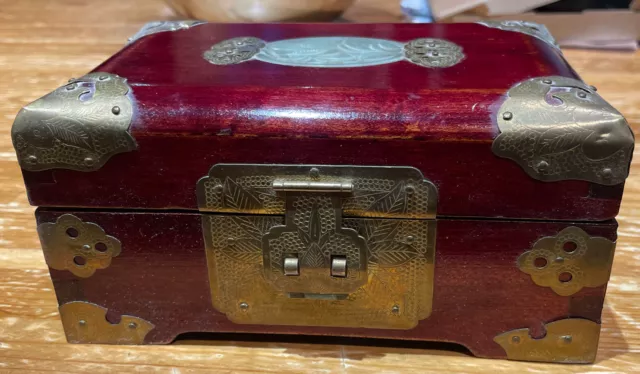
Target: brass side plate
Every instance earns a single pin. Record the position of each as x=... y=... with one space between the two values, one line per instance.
x=336 y=52
x=569 y=261
x=385 y=192
x=80 y=247
x=559 y=128
x=86 y=323
x=399 y=280
x=530 y=28
x=571 y=341
x=309 y=256
x=78 y=126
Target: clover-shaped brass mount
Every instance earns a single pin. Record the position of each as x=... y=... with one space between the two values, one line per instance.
x=569 y=261
x=80 y=247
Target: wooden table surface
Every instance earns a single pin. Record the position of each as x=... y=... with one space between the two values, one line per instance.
x=45 y=42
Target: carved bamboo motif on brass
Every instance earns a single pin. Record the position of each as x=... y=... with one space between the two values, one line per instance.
x=558 y=128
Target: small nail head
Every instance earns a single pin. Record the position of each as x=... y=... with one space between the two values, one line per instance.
x=515 y=339
x=582 y=95
x=115 y=110
x=607 y=173
x=133 y=325
x=88 y=161
x=567 y=339
x=314 y=173
x=70 y=87
x=410 y=189
x=244 y=306
x=218 y=188
x=542 y=166
x=395 y=309
x=82 y=322
x=32 y=159
x=86 y=247
x=507 y=116
x=547 y=81
x=410 y=239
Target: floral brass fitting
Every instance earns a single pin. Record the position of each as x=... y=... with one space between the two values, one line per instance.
x=85 y=322
x=80 y=247
x=569 y=261
x=79 y=126
x=558 y=128
x=570 y=341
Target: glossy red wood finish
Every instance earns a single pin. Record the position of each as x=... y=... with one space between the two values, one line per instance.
x=192 y=114
x=161 y=276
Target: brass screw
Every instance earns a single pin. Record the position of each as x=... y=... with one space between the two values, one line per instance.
x=115 y=110
x=82 y=322
x=410 y=189
x=86 y=247
x=314 y=173
x=231 y=240
x=607 y=173
x=133 y=325
x=567 y=339
x=507 y=116
x=515 y=339
x=410 y=239
x=88 y=161
x=582 y=95
x=218 y=188
x=559 y=259
x=32 y=159
x=244 y=306
x=395 y=309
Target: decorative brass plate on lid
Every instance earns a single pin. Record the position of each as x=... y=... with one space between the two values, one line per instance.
x=335 y=52
x=78 y=126
x=85 y=322
x=77 y=246
x=559 y=128
x=320 y=248
x=571 y=341
x=569 y=261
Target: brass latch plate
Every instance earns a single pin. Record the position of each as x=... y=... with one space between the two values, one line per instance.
x=298 y=261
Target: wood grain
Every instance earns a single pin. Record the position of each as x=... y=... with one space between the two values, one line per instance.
x=45 y=42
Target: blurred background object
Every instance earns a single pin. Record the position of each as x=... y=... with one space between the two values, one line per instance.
x=261 y=10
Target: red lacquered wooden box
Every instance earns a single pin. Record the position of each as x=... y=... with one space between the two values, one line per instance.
x=440 y=182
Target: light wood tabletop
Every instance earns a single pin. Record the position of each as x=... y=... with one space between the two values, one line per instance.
x=43 y=43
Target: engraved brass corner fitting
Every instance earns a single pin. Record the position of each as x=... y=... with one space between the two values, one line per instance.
x=569 y=261
x=78 y=126
x=530 y=28
x=558 y=128
x=163 y=26
x=85 y=322
x=571 y=341
x=80 y=247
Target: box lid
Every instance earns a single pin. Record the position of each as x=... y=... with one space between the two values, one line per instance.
x=491 y=114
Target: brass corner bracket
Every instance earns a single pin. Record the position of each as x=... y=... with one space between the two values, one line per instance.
x=569 y=261
x=78 y=126
x=570 y=341
x=85 y=322
x=558 y=128
x=529 y=28
x=163 y=26
x=77 y=246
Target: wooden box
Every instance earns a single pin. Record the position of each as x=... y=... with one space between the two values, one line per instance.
x=446 y=182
